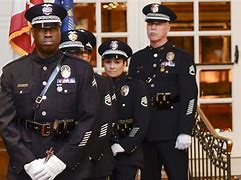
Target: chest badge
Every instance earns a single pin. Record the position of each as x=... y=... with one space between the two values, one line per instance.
x=124 y=90
x=65 y=71
x=170 y=56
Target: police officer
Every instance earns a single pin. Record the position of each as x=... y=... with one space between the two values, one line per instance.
x=132 y=110
x=48 y=102
x=169 y=73
x=81 y=43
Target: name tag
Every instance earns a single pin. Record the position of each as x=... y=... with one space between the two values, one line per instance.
x=22 y=85
x=66 y=81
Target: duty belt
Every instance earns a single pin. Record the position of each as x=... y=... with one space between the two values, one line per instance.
x=58 y=128
x=163 y=100
x=121 y=129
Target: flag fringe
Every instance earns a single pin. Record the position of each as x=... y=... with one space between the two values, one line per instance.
x=19 y=32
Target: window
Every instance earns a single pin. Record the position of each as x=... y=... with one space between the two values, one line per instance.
x=107 y=20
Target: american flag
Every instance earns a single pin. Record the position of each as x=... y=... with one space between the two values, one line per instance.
x=69 y=22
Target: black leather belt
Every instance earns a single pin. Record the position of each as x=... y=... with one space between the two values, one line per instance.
x=163 y=100
x=121 y=129
x=125 y=121
x=57 y=128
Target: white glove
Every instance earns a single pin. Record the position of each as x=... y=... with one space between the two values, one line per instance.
x=34 y=167
x=52 y=167
x=183 y=141
x=116 y=148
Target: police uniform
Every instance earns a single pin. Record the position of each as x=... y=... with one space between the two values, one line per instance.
x=64 y=116
x=101 y=155
x=169 y=73
x=131 y=114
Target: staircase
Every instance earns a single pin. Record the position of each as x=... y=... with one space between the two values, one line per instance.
x=209 y=154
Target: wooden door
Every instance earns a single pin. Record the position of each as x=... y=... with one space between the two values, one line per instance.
x=3 y=160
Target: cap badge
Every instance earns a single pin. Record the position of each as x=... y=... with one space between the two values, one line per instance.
x=170 y=56
x=65 y=71
x=72 y=36
x=124 y=90
x=114 y=45
x=47 y=9
x=154 y=8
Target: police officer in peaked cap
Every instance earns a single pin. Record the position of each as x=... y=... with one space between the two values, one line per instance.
x=48 y=105
x=169 y=73
x=131 y=110
x=81 y=43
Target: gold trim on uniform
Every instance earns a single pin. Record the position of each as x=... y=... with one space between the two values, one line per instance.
x=124 y=90
x=170 y=56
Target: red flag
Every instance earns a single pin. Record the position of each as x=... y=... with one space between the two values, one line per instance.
x=19 y=37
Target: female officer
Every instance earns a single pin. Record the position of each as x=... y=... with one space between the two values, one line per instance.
x=131 y=110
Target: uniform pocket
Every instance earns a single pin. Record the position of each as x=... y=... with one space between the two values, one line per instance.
x=22 y=98
x=67 y=98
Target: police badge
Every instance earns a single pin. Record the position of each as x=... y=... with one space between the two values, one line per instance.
x=47 y=9
x=170 y=56
x=114 y=45
x=72 y=35
x=65 y=71
x=124 y=90
x=155 y=8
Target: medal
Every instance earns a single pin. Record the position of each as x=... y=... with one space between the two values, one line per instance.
x=59 y=89
x=162 y=69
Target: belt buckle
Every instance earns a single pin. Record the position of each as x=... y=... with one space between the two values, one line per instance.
x=38 y=99
x=46 y=129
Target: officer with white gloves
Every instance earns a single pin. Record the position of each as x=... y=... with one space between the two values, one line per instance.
x=41 y=170
x=169 y=73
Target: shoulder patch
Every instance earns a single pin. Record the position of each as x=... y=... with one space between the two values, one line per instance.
x=192 y=70
x=108 y=100
x=144 y=101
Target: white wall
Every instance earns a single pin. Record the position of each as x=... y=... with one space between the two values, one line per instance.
x=5 y=15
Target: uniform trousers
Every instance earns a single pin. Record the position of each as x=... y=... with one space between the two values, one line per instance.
x=164 y=153
x=124 y=172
